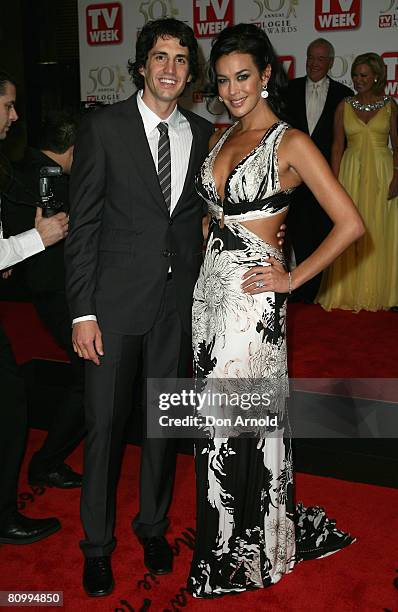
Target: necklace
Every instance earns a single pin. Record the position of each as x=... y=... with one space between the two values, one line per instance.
x=368 y=108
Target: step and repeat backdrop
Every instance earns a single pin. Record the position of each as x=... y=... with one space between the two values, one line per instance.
x=108 y=31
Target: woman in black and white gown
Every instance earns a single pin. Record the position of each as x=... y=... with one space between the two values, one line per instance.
x=249 y=533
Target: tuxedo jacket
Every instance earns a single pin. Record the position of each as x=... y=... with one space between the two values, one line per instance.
x=122 y=240
x=323 y=131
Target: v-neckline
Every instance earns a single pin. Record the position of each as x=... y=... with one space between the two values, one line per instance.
x=221 y=142
x=371 y=119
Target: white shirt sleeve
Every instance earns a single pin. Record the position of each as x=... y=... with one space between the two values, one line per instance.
x=19 y=247
x=85 y=318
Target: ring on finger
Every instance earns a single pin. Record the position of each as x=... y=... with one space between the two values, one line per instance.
x=260 y=283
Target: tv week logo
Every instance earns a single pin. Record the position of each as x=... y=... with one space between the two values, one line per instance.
x=104 y=24
x=211 y=16
x=337 y=14
x=390 y=58
x=385 y=21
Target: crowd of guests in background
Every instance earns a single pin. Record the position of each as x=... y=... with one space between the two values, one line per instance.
x=351 y=130
x=353 y=133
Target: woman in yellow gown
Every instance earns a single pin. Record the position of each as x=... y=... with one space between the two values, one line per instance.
x=365 y=276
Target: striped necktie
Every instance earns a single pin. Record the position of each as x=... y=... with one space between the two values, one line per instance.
x=164 y=162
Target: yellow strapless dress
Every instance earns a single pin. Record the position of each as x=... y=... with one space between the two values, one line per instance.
x=365 y=276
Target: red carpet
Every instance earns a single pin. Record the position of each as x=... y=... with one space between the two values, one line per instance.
x=357 y=579
x=341 y=344
x=321 y=344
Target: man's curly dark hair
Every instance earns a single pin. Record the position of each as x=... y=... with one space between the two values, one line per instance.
x=147 y=38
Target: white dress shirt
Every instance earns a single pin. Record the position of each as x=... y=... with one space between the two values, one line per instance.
x=315 y=98
x=180 y=136
x=19 y=247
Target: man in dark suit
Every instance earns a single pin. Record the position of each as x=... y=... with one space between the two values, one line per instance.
x=44 y=276
x=16 y=528
x=132 y=258
x=312 y=101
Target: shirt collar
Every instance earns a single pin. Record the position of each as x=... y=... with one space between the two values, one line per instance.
x=151 y=119
x=322 y=82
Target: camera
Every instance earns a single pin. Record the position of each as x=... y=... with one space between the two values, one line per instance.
x=50 y=205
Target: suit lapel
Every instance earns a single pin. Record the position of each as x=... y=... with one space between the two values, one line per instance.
x=328 y=106
x=131 y=132
x=302 y=108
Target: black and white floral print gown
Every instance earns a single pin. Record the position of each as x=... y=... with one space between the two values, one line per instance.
x=248 y=531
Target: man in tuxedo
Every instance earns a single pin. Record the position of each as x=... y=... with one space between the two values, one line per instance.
x=312 y=101
x=132 y=258
x=44 y=277
x=16 y=528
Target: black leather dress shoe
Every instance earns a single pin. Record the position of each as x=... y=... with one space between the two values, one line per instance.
x=63 y=477
x=23 y=530
x=158 y=556
x=97 y=576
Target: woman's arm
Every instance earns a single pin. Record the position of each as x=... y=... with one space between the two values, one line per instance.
x=393 y=188
x=298 y=153
x=309 y=163
x=338 y=144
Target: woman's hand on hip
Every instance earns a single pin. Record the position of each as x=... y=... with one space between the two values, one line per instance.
x=272 y=277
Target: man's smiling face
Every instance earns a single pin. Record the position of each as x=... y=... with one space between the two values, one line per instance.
x=166 y=71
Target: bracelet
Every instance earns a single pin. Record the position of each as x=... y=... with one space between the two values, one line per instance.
x=289 y=282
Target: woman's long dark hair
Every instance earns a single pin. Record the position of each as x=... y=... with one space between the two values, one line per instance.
x=248 y=38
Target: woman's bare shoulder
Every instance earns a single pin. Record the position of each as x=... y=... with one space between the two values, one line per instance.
x=295 y=137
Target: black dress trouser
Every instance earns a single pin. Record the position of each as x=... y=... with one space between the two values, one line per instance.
x=165 y=350
x=13 y=427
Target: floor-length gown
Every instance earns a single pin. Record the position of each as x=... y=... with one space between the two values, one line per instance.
x=365 y=276
x=248 y=531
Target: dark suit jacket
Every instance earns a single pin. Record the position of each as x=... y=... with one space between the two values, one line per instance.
x=122 y=239
x=43 y=272
x=323 y=132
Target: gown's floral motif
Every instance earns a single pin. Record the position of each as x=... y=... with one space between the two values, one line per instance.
x=246 y=520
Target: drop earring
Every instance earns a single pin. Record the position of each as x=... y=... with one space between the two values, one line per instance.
x=264 y=92
x=220 y=99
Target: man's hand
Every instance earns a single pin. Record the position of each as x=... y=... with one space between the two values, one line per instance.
x=281 y=234
x=53 y=229
x=87 y=340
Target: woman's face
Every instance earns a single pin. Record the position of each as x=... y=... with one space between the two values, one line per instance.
x=363 y=78
x=239 y=82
